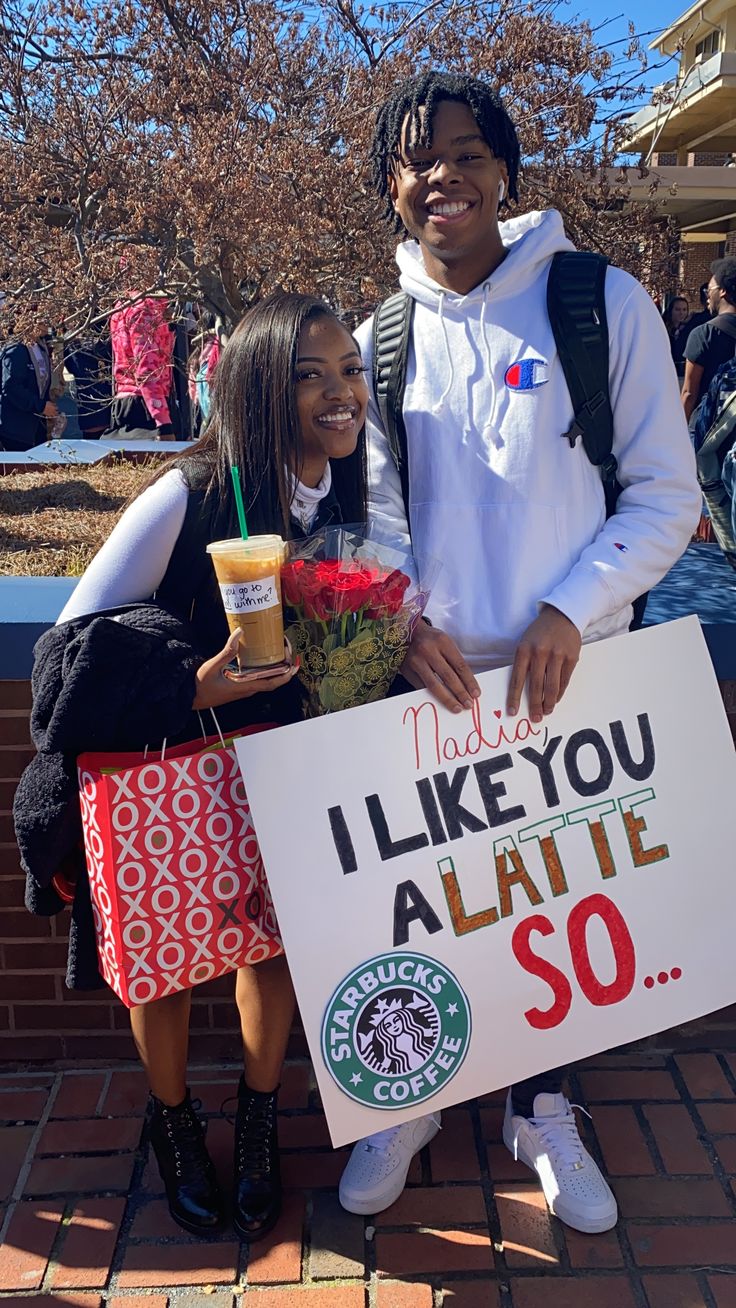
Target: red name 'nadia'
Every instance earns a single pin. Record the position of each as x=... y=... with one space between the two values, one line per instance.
x=448 y=748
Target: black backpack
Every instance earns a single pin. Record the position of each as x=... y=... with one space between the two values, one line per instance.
x=576 y=305
x=715 y=438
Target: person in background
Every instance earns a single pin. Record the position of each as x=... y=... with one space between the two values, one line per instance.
x=704 y=314
x=142 y=349
x=675 y=320
x=25 y=386
x=89 y=361
x=202 y=364
x=713 y=342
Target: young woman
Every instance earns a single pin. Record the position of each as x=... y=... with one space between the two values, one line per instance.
x=676 y=320
x=288 y=410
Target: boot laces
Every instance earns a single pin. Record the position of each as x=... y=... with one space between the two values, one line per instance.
x=255 y=1131
x=186 y=1136
x=561 y=1138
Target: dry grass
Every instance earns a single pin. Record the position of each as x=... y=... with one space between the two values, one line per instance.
x=53 y=521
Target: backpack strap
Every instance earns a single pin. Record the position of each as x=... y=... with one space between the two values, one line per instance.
x=576 y=306
x=391 y=334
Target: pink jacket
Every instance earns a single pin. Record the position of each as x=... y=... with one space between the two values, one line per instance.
x=142 y=349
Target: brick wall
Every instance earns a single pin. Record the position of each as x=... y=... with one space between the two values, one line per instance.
x=695 y=269
x=710 y=158
x=40 y=1019
x=703 y=159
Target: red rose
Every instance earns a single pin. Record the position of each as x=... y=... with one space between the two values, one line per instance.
x=306 y=587
x=361 y=591
x=344 y=592
x=309 y=583
x=327 y=571
x=291 y=582
x=390 y=595
x=318 y=606
x=394 y=590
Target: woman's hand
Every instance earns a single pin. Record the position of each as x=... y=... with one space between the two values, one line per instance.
x=433 y=660
x=216 y=686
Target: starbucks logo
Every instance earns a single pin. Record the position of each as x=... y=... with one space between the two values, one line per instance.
x=396 y=1030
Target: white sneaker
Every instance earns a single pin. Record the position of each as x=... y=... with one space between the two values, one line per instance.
x=574 y=1187
x=377 y=1168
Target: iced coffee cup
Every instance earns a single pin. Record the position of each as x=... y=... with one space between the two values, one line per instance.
x=249 y=575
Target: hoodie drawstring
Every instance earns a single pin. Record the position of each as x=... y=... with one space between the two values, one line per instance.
x=437 y=406
x=488 y=425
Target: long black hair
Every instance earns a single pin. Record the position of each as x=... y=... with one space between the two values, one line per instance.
x=425 y=92
x=254 y=424
x=667 y=315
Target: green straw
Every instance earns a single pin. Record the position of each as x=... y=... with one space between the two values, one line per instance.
x=239 y=502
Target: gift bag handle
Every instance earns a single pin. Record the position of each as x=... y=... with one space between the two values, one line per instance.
x=217 y=726
x=202 y=728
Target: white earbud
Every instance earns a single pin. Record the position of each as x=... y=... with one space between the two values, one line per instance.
x=501 y=191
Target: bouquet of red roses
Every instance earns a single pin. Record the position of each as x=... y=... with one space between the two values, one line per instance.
x=350 y=609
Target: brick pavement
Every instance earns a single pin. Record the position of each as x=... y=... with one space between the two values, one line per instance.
x=84 y=1224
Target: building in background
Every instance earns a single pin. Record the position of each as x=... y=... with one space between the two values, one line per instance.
x=687 y=138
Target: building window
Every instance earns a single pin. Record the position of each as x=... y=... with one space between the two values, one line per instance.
x=709 y=45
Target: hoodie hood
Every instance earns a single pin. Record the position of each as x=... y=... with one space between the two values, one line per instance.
x=530 y=239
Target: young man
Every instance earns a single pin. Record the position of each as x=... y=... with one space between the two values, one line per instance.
x=531 y=567
x=713 y=343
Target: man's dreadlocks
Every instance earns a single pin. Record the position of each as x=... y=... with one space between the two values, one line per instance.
x=426 y=92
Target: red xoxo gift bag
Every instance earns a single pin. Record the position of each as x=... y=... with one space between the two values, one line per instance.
x=179 y=892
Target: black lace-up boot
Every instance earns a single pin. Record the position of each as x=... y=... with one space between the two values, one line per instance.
x=186 y=1168
x=257 y=1199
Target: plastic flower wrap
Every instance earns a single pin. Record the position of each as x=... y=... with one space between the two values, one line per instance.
x=350 y=607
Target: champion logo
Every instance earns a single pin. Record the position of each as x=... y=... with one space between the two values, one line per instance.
x=619 y=546
x=527 y=374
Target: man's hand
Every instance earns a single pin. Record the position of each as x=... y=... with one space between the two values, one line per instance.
x=434 y=661
x=50 y=410
x=217 y=686
x=545 y=658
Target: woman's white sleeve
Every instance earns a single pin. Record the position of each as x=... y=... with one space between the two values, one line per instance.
x=132 y=562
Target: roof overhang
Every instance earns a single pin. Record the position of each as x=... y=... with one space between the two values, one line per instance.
x=705 y=12
x=700 y=112
x=702 y=201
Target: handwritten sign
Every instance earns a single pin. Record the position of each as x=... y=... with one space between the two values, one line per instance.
x=467 y=900
x=249 y=596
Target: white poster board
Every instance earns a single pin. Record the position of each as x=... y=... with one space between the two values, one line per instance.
x=466 y=902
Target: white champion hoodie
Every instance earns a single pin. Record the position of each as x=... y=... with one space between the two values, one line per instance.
x=514 y=514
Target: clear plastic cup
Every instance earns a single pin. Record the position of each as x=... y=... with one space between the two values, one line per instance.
x=249 y=575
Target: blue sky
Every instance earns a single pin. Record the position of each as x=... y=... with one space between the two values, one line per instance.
x=649 y=18
x=610 y=21
x=652 y=15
